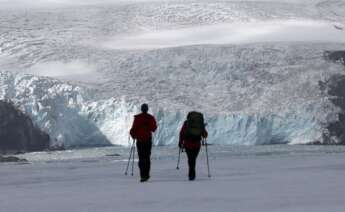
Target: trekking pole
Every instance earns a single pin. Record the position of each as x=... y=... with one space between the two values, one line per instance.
x=130 y=156
x=133 y=157
x=208 y=164
x=178 y=160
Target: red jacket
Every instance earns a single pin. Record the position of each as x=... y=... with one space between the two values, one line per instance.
x=190 y=144
x=143 y=126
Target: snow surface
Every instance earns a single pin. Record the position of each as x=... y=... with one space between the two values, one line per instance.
x=284 y=181
x=253 y=67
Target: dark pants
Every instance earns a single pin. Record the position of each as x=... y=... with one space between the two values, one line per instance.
x=144 y=153
x=192 y=154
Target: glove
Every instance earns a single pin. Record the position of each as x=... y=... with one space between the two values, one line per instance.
x=180 y=145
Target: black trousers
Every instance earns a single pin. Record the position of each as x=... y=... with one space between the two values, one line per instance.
x=192 y=154
x=144 y=153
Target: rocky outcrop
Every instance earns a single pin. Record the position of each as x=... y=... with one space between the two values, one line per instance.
x=335 y=87
x=335 y=133
x=336 y=56
x=17 y=131
x=11 y=159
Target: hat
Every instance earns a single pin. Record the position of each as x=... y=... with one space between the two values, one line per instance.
x=144 y=108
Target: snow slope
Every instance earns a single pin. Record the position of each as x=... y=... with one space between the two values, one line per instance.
x=253 y=67
x=276 y=181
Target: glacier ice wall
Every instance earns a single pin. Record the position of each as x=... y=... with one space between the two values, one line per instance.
x=250 y=94
x=65 y=111
x=72 y=116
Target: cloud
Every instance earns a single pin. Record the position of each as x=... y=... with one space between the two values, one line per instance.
x=70 y=70
x=235 y=33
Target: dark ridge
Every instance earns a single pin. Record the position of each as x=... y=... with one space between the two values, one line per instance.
x=335 y=88
x=11 y=159
x=335 y=56
x=18 y=133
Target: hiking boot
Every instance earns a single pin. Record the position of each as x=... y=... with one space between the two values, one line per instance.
x=144 y=179
x=191 y=174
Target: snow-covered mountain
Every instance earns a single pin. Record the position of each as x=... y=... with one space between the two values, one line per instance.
x=255 y=68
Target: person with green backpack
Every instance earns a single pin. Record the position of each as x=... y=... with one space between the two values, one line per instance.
x=191 y=135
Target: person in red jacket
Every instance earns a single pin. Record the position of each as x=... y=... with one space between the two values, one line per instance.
x=192 y=146
x=143 y=126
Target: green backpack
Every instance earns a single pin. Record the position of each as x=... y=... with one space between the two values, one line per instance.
x=195 y=125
